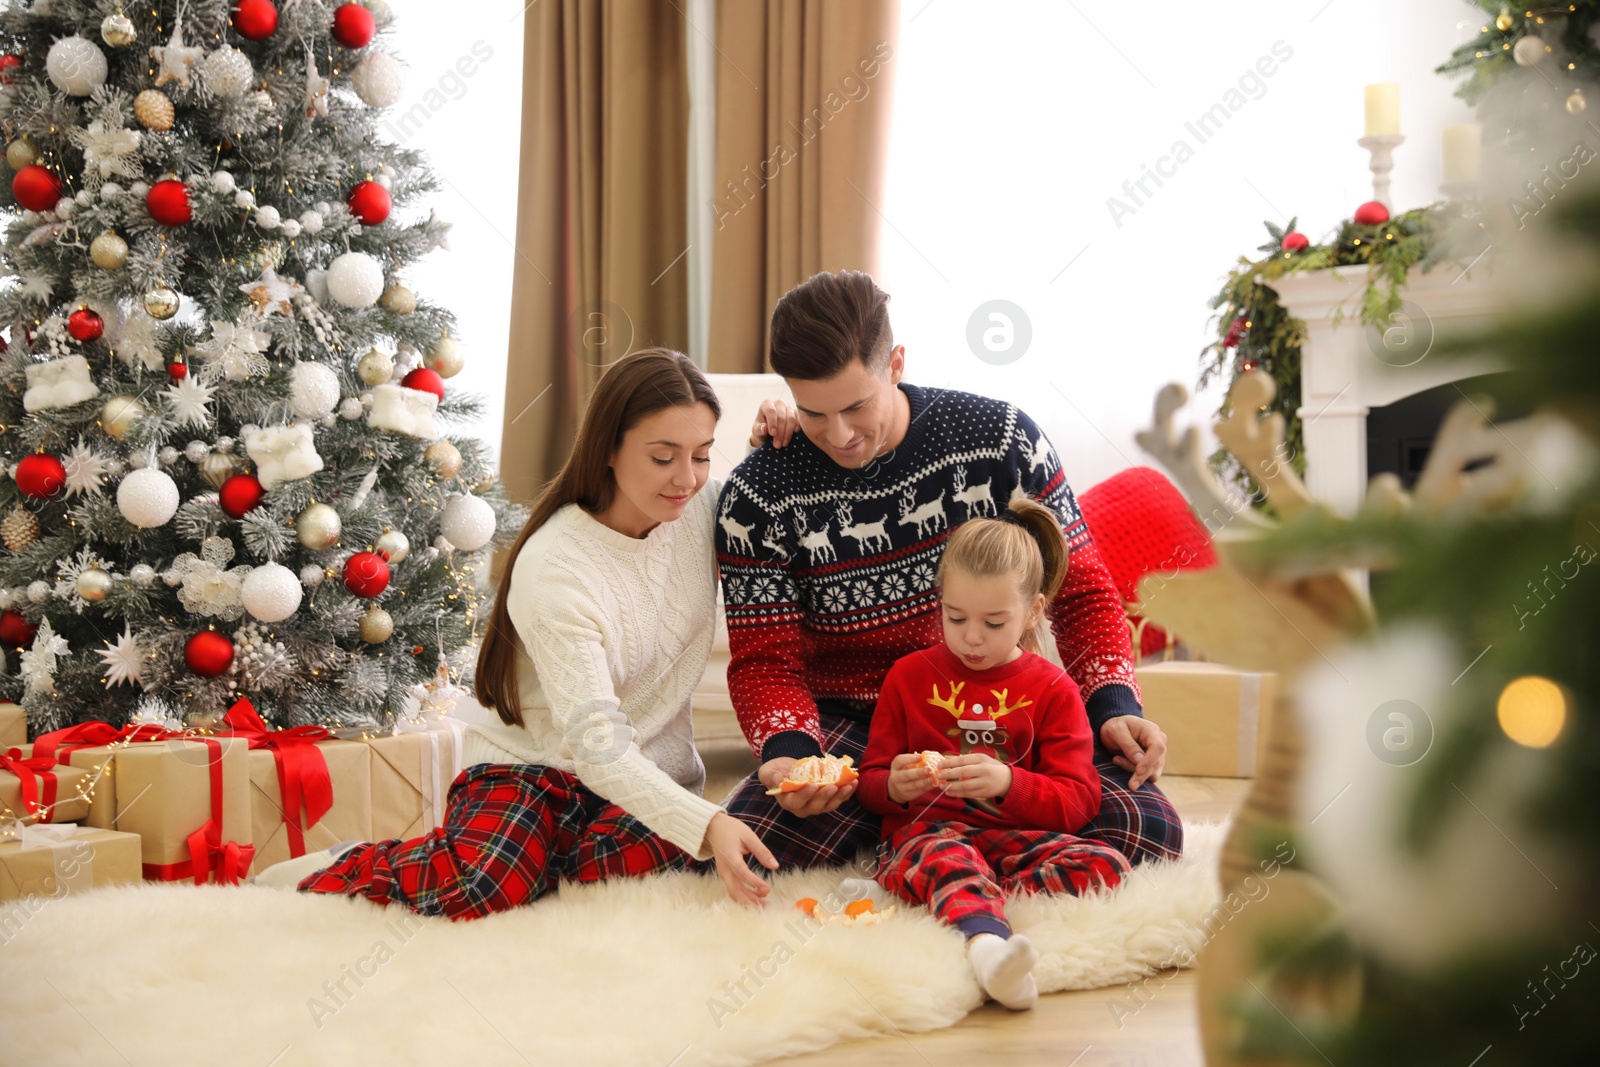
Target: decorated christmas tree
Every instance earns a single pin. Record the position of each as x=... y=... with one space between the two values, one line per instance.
x=223 y=414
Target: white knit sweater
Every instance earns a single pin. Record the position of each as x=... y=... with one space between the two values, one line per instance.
x=614 y=633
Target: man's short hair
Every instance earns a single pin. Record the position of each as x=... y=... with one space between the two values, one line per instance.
x=828 y=320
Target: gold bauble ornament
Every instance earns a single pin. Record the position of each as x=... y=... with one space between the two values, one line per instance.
x=318 y=527
x=377 y=626
x=93 y=584
x=398 y=299
x=154 y=110
x=109 y=251
x=21 y=153
x=218 y=467
x=120 y=414
x=484 y=484
x=444 y=458
x=117 y=30
x=393 y=546
x=1504 y=21
x=1576 y=102
x=161 y=302
x=444 y=357
x=376 y=367
x=19 y=529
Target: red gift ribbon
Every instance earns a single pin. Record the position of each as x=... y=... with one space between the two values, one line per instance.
x=59 y=745
x=30 y=770
x=208 y=853
x=303 y=780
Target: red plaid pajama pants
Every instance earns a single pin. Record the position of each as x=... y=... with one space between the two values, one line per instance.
x=511 y=832
x=961 y=872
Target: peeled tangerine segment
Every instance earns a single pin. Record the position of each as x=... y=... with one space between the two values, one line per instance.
x=817 y=770
x=930 y=759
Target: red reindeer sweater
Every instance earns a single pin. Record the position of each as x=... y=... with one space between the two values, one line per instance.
x=1026 y=713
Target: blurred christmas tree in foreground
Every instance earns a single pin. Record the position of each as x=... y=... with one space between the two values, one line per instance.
x=222 y=407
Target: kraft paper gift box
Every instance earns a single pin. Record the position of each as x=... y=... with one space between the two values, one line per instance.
x=102 y=787
x=187 y=795
x=53 y=861
x=13 y=726
x=1215 y=717
x=412 y=770
x=37 y=789
x=349 y=818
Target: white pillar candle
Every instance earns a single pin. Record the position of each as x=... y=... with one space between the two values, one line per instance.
x=1383 y=109
x=1463 y=146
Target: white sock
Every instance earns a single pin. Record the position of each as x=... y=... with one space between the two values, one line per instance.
x=1005 y=969
x=290 y=873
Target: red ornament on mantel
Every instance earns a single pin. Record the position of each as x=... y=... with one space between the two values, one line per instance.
x=177 y=371
x=425 y=380
x=1372 y=213
x=370 y=202
x=35 y=188
x=1294 y=241
x=40 y=476
x=256 y=20
x=366 y=574
x=85 y=324
x=16 y=631
x=240 y=494
x=353 y=25
x=208 y=653
x=168 y=202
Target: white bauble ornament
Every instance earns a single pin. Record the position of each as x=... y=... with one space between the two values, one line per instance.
x=227 y=72
x=377 y=626
x=75 y=66
x=318 y=527
x=444 y=357
x=93 y=584
x=267 y=217
x=38 y=591
x=311 y=575
x=120 y=415
x=1528 y=51
x=148 y=498
x=313 y=390
x=85 y=197
x=110 y=190
x=195 y=451
x=289 y=228
x=168 y=455
x=377 y=79
x=311 y=221
x=468 y=522
x=382 y=14
x=143 y=575
x=376 y=367
x=271 y=592
x=244 y=198
x=117 y=30
x=65 y=207
x=223 y=182
x=393 y=546
x=355 y=280
x=350 y=408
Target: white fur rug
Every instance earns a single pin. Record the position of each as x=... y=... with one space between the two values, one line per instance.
x=636 y=973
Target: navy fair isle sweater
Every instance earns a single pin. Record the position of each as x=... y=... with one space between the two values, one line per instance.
x=828 y=573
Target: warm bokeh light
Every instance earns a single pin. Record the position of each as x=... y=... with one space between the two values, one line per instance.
x=1532 y=711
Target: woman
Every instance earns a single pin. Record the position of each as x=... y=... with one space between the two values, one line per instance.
x=601 y=629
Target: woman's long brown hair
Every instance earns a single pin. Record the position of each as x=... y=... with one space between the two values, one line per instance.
x=633 y=388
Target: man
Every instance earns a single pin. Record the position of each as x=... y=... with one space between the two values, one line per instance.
x=828 y=547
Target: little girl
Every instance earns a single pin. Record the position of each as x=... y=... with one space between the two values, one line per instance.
x=980 y=755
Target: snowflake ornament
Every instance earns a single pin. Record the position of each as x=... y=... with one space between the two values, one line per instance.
x=234 y=352
x=104 y=149
x=86 y=469
x=124 y=661
x=187 y=398
x=139 y=339
x=36 y=286
x=38 y=664
x=175 y=58
x=153 y=711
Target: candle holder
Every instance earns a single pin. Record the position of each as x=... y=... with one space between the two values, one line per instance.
x=1382 y=147
x=1462 y=189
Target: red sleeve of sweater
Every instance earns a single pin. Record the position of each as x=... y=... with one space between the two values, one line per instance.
x=1059 y=789
x=885 y=740
x=1090 y=627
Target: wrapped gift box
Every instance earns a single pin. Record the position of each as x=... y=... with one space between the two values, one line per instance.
x=183 y=794
x=60 y=794
x=348 y=819
x=411 y=774
x=52 y=861
x=1215 y=717
x=101 y=787
x=13 y=726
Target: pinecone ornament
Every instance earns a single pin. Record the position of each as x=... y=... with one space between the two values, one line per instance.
x=19 y=529
x=154 y=110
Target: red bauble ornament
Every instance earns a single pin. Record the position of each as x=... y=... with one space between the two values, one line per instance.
x=177 y=371
x=370 y=202
x=425 y=380
x=85 y=325
x=353 y=26
x=40 y=476
x=1372 y=213
x=240 y=494
x=208 y=653
x=366 y=574
x=15 y=631
x=8 y=63
x=1294 y=241
x=168 y=202
x=1235 y=332
x=255 y=19
x=36 y=188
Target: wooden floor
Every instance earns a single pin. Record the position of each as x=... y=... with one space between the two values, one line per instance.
x=1066 y=1029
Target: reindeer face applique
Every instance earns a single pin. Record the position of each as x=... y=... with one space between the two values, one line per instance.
x=978 y=729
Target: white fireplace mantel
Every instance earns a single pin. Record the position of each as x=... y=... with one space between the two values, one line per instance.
x=1347 y=369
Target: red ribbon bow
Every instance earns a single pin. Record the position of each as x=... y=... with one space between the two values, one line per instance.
x=30 y=771
x=59 y=745
x=303 y=780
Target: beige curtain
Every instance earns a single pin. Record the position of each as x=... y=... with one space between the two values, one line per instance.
x=803 y=110
x=601 y=229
